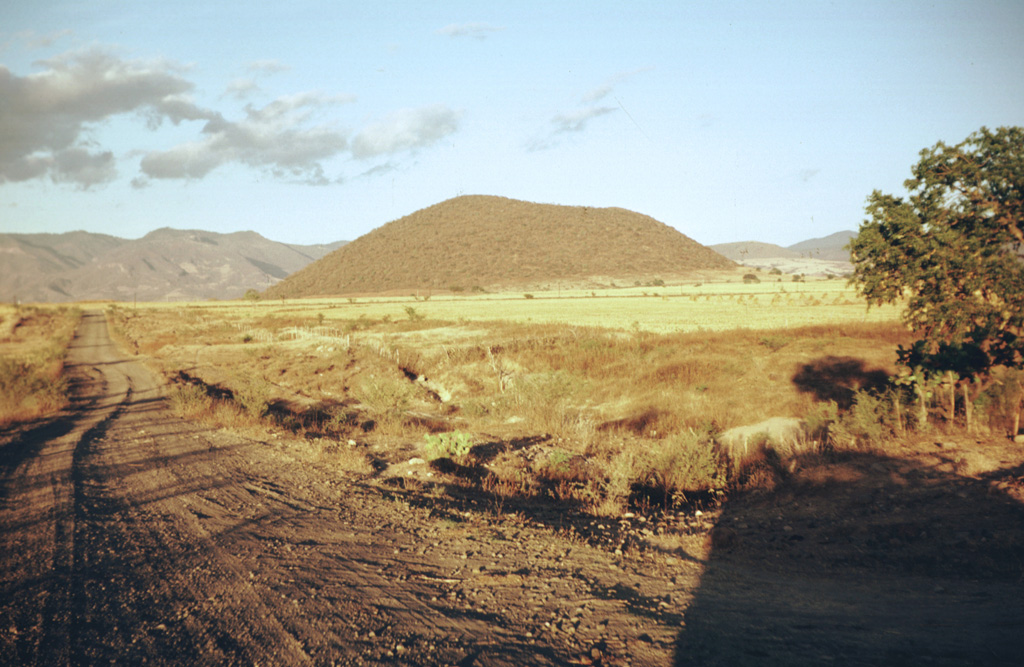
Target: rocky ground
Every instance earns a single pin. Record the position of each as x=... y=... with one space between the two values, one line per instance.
x=130 y=536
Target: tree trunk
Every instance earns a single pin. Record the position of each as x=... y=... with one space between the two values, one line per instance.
x=922 y=412
x=952 y=397
x=1016 y=416
x=968 y=407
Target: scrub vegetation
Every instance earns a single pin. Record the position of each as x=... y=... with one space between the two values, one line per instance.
x=33 y=342
x=602 y=417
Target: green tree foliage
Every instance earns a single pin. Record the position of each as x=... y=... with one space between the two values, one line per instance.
x=953 y=249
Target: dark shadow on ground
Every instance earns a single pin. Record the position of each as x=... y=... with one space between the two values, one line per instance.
x=870 y=560
x=838 y=379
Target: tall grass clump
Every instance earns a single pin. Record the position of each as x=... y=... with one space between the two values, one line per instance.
x=32 y=384
x=387 y=400
x=681 y=464
x=30 y=388
x=190 y=401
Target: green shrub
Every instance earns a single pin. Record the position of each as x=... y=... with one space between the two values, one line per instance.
x=685 y=463
x=868 y=423
x=454 y=445
x=818 y=423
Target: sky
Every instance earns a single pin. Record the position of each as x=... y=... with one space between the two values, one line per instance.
x=313 y=121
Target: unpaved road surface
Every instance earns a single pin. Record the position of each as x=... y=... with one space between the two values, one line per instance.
x=129 y=536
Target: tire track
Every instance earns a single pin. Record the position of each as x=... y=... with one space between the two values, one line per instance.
x=131 y=536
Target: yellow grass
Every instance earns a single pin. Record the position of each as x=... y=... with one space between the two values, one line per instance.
x=670 y=309
x=33 y=341
x=602 y=375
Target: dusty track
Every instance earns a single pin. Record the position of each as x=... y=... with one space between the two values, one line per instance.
x=130 y=536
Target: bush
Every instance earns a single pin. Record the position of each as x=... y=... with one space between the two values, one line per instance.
x=190 y=401
x=29 y=388
x=386 y=399
x=775 y=342
x=454 y=445
x=682 y=464
x=751 y=278
x=254 y=398
x=868 y=423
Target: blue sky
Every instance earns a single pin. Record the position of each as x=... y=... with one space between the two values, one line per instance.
x=312 y=121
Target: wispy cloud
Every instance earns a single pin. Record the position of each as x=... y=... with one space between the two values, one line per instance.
x=44 y=116
x=276 y=138
x=407 y=129
x=267 y=67
x=578 y=120
x=606 y=88
x=472 y=29
x=241 y=88
x=245 y=87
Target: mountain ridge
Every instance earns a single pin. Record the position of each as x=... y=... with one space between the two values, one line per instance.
x=167 y=263
x=484 y=241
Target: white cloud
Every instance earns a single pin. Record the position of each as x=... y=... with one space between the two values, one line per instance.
x=407 y=129
x=267 y=67
x=47 y=121
x=82 y=168
x=597 y=94
x=44 y=116
x=567 y=123
x=244 y=87
x=241 y=88
x=606 y=88
x=577 y=121
x=276 y=137
x=471 y=29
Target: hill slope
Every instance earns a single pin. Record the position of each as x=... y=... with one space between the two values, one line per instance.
x=164 y=264
x=815 y=257
x=488 y=241
x=831 y=247
x=742 y=251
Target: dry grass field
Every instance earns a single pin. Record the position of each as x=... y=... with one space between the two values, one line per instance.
x=603 y=423
x=32 y=345
x=584 y=394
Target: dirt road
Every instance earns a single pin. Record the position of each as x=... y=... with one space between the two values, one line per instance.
x=130 y=537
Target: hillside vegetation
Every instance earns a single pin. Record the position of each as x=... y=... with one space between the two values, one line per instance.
x=483 y=241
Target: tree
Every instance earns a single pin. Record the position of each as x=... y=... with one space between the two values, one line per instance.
x=953 y=250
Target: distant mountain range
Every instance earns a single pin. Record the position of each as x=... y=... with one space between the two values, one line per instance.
x=821 y=256
x=167 y=264
x=459 y=244
x=479 y=241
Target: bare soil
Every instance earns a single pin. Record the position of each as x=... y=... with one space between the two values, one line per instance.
x=129 y=536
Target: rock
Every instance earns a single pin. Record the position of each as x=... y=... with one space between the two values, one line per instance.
x=416 y=461
x=784 y=435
